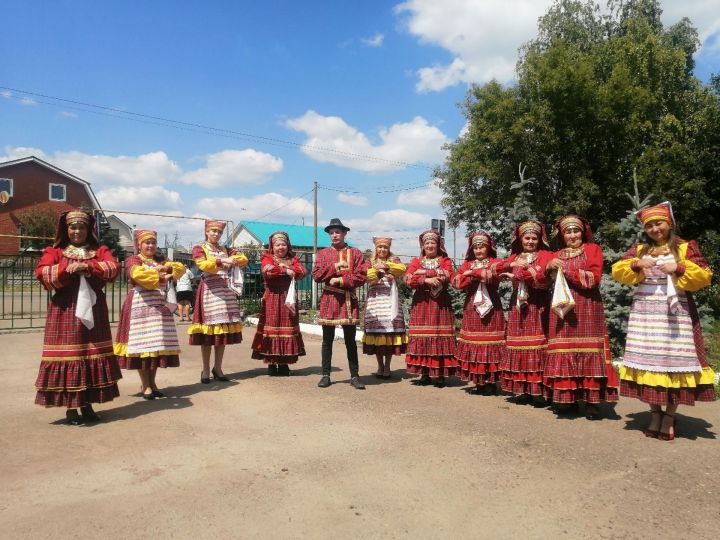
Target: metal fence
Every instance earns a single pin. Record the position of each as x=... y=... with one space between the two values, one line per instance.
x=23 y=301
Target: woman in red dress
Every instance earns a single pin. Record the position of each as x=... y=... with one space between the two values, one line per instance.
x=526 y=336
x=216 y=319
x=481 y=345
x=431 y=344
x=78 y=365
x=146 y=336
x=278 y=341
x=578 y=365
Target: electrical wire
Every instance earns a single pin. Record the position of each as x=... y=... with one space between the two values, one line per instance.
x=200 y=128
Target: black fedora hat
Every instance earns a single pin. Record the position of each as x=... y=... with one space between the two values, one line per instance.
x=335 y=223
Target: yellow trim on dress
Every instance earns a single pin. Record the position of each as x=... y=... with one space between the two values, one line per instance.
x=120 y=349
x=385 y=339
x=668 y=380
x=215 y=329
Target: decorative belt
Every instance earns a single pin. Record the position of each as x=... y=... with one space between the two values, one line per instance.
x=338 y=290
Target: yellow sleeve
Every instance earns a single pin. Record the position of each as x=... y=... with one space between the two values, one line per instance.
x=695 y=276
x=147 y=278
x=622 y=272
x=397 y=269
x=242 y=258
x=207 y=265
x=372 y=275
x=178 y=269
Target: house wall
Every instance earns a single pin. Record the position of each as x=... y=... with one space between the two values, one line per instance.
x=31 y=190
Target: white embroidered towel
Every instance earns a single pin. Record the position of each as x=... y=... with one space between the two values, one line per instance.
x=290 y=298
x=481 y=301
x=672 y=295
x=562 y=299
x=85 y=301
x=236 y=279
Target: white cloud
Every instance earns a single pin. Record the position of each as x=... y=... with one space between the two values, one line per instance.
x=68 y=114
x=28 y=101
x=375 y=40
x=139 y=199
x=330 y=139
x=242 y=208
x=483 y=36
x=356 y=200
x=153 y=168
x=233 y=167
x=7 y=94
x=401 y=225
x=427 y=196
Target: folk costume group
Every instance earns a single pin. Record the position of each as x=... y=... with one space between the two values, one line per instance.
x=553 y=346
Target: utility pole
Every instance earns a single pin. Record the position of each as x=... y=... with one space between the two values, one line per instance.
x=314 y=285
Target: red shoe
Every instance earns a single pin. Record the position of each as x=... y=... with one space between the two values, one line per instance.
x=670 y=435
x=654 y=432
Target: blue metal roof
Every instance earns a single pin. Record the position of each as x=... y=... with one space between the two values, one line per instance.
x=300 y=235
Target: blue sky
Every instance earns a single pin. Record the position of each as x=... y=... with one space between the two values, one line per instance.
x=359 y=96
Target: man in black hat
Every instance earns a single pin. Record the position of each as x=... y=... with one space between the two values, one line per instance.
x=340 y=268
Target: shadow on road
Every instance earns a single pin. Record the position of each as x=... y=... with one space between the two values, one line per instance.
x=687 y=427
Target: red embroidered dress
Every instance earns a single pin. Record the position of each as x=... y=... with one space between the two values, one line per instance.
x=526 y=336
x=431 y=343
x=578 y=365
x=216 y=319
x=278 y=339
x=78 y=365
x=146 y=336
x=339 y=304
x=481 y=345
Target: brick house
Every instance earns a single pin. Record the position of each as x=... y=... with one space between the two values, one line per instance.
x=33 y=183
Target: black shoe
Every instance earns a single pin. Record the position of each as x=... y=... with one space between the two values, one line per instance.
x=283 y=370
x=272 y=370
x=523 y=399
x=490 y=389
x=217 y=377
x=356 y=383
x=149 y=396
x=425 y=380
x=325 y=381
x=88 y=415
x=439 y=382
x=157 y=393
x=592 y=412
x=203 y=379
x=73 y=418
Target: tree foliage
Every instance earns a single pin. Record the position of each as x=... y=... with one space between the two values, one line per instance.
x=38 y=222
x=597 y=97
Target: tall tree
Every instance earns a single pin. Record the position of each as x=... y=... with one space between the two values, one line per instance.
x=597 y=97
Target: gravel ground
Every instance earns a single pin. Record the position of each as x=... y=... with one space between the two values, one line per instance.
x=263 y=457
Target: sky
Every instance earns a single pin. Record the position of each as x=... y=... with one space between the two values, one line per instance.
x=233 y=109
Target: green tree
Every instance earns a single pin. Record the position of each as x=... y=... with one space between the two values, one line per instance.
x=40 y=223
x=598 y=96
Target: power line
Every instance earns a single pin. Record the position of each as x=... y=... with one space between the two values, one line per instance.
x=284 y=205
x=201 y=128
x=394 y=189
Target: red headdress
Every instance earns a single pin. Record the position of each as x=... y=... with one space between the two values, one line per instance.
x=215 y=224
x=571 y=220
x=280 y=235
x=659 y=212
x=480 y=237
x=75 y=216
x=528 y=226
x=432 y=233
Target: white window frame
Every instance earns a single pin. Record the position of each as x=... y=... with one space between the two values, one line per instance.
x=11 y=185
x=50 y=197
